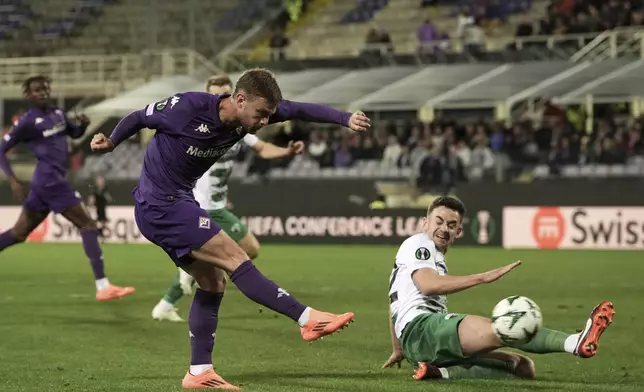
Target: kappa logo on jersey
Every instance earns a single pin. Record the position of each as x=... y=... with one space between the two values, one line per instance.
x=282 y=293
x=173 y=101
x=451 y=316
x=422 y=254
x=203 y=128
x=204 y=223
x=161 y=105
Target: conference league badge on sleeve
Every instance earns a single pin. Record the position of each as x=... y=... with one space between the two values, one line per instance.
x=422 y=253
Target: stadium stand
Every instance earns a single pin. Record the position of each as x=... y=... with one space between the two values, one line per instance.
x=128 y=26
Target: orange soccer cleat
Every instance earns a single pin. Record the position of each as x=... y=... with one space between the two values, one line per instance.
x=600 y=318
x=207 y=380
x=113 y=292
x=321 y=324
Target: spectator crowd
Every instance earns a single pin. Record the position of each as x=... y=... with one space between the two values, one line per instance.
x=475 y=150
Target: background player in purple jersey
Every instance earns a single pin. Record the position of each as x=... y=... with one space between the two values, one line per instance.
x=193 y=131
x=44 y=128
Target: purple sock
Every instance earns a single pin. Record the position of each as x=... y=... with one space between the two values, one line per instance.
x=6 y=240
x=265 y=292
x=202 y=322
x=93 y=251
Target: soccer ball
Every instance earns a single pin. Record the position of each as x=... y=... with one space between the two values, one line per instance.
x=516 y=320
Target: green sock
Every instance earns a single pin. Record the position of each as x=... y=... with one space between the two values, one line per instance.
x=481 y=372
x=174 y=292
x=546 y=341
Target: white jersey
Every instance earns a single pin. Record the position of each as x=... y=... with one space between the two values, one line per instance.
x=211 y=190
x=405 y=301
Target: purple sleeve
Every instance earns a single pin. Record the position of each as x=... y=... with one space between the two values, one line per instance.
x=290 y=110
x=75 y=130
x=10 y=140
x=130 y=125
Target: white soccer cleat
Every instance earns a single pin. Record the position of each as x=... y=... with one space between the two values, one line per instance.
x=162 y=313
x=186 y=281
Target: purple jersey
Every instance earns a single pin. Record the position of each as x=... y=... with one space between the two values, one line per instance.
x=45 y=133
x=190 y=138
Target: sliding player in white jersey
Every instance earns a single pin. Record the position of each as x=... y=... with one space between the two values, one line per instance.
x=452 y=345
x=211 y=192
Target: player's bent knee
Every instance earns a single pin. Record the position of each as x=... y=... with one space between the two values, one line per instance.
x=222 y=252
x=250 y=245
x=476 y=335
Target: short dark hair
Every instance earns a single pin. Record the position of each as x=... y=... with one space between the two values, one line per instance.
x=259 y=82
x=32 y=79
x=219 y=81
x=448 y=202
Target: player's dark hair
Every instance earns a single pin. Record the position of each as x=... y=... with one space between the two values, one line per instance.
x=448 y=202
x=259 y=82
x=219 y=81
x=33 y=79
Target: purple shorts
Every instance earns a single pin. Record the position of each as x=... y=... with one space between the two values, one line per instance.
x=177 y=228
x=56 y=197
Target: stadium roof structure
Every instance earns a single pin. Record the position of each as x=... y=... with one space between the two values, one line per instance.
x=622 y=82
x=453 y=86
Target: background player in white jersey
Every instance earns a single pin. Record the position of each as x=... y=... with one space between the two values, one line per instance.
x=452 y=345
x=211 y=192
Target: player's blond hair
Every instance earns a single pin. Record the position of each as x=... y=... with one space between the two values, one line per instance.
x=219 y=81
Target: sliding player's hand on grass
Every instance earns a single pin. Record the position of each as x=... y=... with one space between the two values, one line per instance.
x=496 y=274
x=394 y=360
x=359 y=122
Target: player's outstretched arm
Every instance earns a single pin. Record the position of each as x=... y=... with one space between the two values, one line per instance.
x=311 y=112
x=430 y=283
x=268 y=150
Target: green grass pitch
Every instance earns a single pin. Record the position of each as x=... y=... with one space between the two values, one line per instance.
x=55 y=337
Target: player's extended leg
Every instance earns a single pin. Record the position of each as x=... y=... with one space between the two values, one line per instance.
x=222 y=252
x=27 y=222
x=496 y=364
x=202 y=321
x=165 y=309
x=477 y=338
x=79 y=216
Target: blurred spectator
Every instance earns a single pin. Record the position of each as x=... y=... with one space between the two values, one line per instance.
x=368 y=149
x=343 y=156
x=463 y=20
x=392 y=151
x=525 y=27
x=278 y=43
x=482 y=158
x=474 y=38
x=317 y=146
x=428 y=37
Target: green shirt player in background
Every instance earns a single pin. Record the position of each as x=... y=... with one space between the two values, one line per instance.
x=211 y=193
x=452 y=345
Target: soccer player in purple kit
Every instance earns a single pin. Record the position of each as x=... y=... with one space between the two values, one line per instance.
x=192 y=131
x=44 y=128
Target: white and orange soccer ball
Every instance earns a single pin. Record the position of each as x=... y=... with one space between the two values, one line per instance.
x=516 y=320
